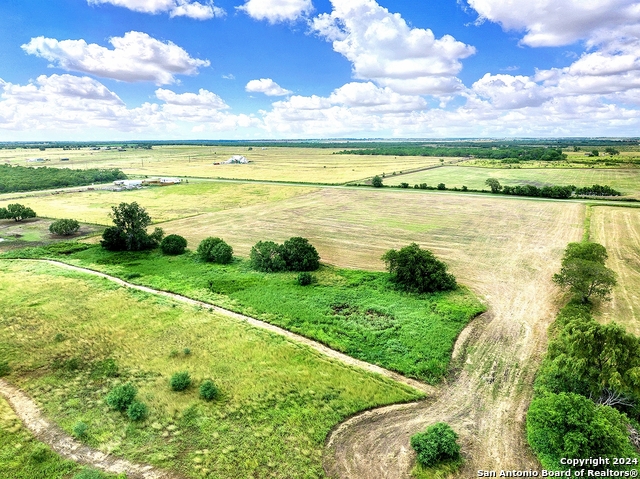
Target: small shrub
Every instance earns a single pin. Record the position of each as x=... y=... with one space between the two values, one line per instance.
x=5 y=369
x=80 y=430
x=137 y=411
x=215 y=250
x=186 y=351
x=266 y=256
x=64 y=227
x=58 y=338
x=120 y=397
x=107 y=369
x=442 y=186
x=173 y=244
x=88 y=473
x=376 y=182
x=437 y=444
x=40 y=453
x=305 y=278
x=180 y=381
x=208 y=390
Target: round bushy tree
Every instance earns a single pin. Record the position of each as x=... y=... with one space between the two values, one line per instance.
x=300 y=255
x=208 y=390
x=120 y=397
x=376 y=182
x=418 y=270
x=437 y=444
x=266 y=256
x=137 y=411
x=64 y=227
x=173 y=244
x=180 y=381
x=215 y=250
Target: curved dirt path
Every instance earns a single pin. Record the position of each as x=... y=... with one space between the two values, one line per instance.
x=321 y=348
x=498 y=355
x=68 y=447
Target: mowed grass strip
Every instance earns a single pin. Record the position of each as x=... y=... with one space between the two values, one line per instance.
x=307 y=165
x=618 y=229
x=627 y=181
x=162 y=203
x=278 y=400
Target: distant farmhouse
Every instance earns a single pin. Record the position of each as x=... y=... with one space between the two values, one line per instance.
x=236 y=160
x=131 y=184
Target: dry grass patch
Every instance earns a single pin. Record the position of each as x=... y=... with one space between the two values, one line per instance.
x=618 y=229
x=308 y=165
x=162 y=203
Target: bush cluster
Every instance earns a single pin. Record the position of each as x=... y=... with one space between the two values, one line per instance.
x=208 y=390
x=121 y=397
x=437 y=444
x=64 y=227
x=173 y=245
x=215 y=250
x=417 y=270
x=295 y=254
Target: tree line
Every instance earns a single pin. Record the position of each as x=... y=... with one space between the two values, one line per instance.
x=587 y=392
x=24 y=178
x=523 y=153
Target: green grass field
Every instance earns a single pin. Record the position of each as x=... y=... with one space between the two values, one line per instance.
x=277 y=403
x=307 y=165
x=627 y=181
x=34 y=232
x=162 y=203
x=355 y=312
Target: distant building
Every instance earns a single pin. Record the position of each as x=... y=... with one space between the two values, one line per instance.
x=236 y=160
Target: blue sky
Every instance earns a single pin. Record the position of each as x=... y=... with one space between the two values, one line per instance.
x=245 y=69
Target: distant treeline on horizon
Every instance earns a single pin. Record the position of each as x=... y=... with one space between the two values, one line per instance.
x=339 y=143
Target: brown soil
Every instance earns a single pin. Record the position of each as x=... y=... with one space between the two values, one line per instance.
x=68 y=447
x=498 y=353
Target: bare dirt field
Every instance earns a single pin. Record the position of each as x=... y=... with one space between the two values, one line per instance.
x=618 y=229
x=505 y=250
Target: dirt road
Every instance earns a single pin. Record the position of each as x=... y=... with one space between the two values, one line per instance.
x=500 y=351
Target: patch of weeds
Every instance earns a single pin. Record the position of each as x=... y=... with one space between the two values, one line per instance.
x=59 y=337
x=66 y=365
x=186 y=351
x=120 y=397
x=40 y=453
x=106 y=368
x=134 y=275
x=5 y=369
x=88 y=473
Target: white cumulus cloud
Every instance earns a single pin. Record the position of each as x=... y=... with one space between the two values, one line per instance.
x=277 y=10
x=382 y=47
x=135 y=57
x=175 y=8
x=560 y=22
x=266 y=86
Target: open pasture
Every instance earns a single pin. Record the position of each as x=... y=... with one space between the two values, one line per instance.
x=34 y=232
x=306 y=165
x=627 y=181
x=162 y=203
x=618 y=229
x=277 y=401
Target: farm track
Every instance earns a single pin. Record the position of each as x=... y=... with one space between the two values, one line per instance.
x=499 y=354
x=319 y=347
x=68 y=447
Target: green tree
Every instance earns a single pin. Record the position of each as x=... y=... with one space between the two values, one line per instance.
x=572 y=426
x=300 y=255
x=595 y=153
x=16 y=212
x=377 y=181
x=215 y=250
x=266 y=256
x=585 y=278
x=437 y=444
x=494 y=185
x=612 y=151
x=64 y=227
x=418 y=270
x=130 y=230
x=585 y=251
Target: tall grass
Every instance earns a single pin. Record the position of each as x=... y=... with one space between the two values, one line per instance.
x=278 y=399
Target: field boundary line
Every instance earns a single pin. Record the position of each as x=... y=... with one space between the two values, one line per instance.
x=319 y=347
x=66 y=446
